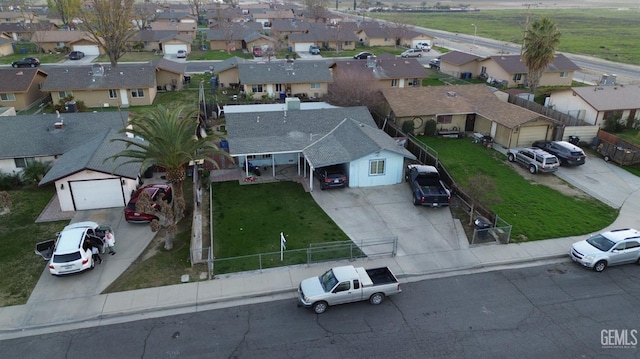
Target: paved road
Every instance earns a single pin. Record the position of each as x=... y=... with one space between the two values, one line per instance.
x=552 y=311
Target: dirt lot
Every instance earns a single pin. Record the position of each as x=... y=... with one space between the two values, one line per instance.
x=549 y=180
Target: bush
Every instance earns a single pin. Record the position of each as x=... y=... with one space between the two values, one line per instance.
x=34 y=172
x=9 y=181
x=613 y=124
x=407 y=127
x=430 y=128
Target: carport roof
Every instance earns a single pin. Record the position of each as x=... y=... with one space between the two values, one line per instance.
x=457 y=99
x=93 y=155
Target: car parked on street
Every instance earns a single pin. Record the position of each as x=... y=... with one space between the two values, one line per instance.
x=182 y=54
x=314 y=50
x=568 y=154
x=331 y=177
x=26 y=62
x=412 y=53
x=76 y=55
x=620 y=246
x=534 y=159
x=157 y=192
x=363 y=55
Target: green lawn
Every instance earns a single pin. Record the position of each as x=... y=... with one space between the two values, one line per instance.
x=604 y=33
x=535 y=211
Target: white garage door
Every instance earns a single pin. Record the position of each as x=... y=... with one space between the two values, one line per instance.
x=89 y=50
x=173 y=49
x=530 y=134
x=94 y=194
x=302 y=46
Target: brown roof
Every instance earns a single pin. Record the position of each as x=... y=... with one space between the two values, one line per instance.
x=18 y=80
x=610 y=98
x=171 y=66
x=457 y=99
x=513 y=64
x=61 y=36
x=458 y=58
x=386 y=67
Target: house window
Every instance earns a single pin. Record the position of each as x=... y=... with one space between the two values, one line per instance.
x=394 y=83
x=256 y=88
x=137 y=93
x=413 y=82
x=347 y=43
x=517 y=77
x=278 y=87
x=445 y=119
x=7 y=97
x=23 y=162
x=113 y=93
x=564 y=74
x=64 y=94
x=60 y=44
x=376 y=167
x=315 y=86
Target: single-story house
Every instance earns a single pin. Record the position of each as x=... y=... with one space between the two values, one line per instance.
x=457 y=62
x=384 y=71
x=20 y=88
x=323 y=135
x=595 y=104
x=24 y=32
x=165 y=41
x=170 y=74
x=377 y=34
x=236 y=36
x=467 y=109
x=103 y=86
x=171 y=16
x=282 y=28
x=275 y=79
x=324 y=37
x=6 y=46
x=54 y=41
x=188 y=29
x=227 y=71
x=511 y=68
x=76 y=143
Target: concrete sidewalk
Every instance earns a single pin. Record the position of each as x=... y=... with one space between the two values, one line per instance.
x=279 y=283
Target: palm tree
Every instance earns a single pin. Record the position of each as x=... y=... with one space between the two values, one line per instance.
x=170 y=142
x=540 y=42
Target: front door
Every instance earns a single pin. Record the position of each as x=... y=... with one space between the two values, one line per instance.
x=470 y=123
x=124 y=98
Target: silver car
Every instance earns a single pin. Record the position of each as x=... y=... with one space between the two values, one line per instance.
x=620 y=246
x=412 y=53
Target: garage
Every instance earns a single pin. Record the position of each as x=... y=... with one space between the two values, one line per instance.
x=530 y=134
x=92 y=194
x=89 y=50
x=172 y=49
x=302 y=46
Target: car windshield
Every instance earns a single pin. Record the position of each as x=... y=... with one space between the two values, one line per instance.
x=328 y=280
x=601 y=242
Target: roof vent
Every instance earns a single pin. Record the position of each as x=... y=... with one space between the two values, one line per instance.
x=452 y=94
x=20 y=73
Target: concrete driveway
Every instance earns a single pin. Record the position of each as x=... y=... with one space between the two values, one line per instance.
x=602 y=180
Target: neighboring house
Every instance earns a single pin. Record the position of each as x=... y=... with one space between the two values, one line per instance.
x=377 y=34
x=282 y=28
x=384 y=71
x=23 y=32
x=176 y=17
x=20 y=88
x=267 y=17
x=222 y=15
x=291 y=134
x=6 y=46
x=100 y=86
x=277 y=79
x=511 y=68
x=170 y=74
x=470 y=109
x=457 y=62
x=325 y=37
x=227 y=71
x=77 y=143
x=235 y=36
x=24 y=17
x=55 y=41
x=188 y=29
x=166 y=41
x=595 y=104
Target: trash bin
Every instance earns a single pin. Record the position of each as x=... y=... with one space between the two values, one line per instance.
x=23 y=50
x=482 y=225
x=289 y=49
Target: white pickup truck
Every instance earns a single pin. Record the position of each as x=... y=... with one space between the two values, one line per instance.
x=347 y=284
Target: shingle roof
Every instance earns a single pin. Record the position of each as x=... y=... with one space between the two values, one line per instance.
x=289 y=25
x=610 y=98
x=323 y=33
x=171 y=66
x=61 y=36
x=125 y=76
x=282 y=72
x=228 y=64
x=457 y=99
x=232 y=32
x=458 y=58
x=4 y=41
x=387 y=67
x=18 y=80
x=93 y=155
x=36 y=135
x=513 y=64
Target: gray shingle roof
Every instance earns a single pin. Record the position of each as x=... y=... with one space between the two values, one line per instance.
x=280 y=72
x=171 y=66
x=458 y=58
x=18 y=80
x=125 y=76
x=35 y=135
x=93 y=155
x=513 y=64
x=610 y=98
x=228 y=64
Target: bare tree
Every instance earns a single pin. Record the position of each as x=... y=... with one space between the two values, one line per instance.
x=226 y=28
x=143 y=15
x=196 y=8
x=354 y=88
x=397 y=29
x=110 y=24
x=316 y=9
x=67 y=9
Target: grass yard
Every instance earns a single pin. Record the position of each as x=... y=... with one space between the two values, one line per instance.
x=20 y=266
x=535 y=211
x=604 y=33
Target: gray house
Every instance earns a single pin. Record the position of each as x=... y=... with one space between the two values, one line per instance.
x=315 y=135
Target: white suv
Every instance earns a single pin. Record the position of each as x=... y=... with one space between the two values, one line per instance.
x=620 y=246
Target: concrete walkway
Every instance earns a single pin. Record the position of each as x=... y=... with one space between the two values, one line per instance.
x=450 y=258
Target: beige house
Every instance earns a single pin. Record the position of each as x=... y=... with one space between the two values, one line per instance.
x=163 y=41
x=170 y=74
x=302 y=79
x=188 y=29
x=467 y=109
x=103 y=86
x=20 y=88
x=227 y=71
x=6 y=46
x=56 y=41
x=325 y=37
x=384 y=71
x=236 y=36
x=511 y=68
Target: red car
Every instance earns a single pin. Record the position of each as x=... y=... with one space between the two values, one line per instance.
x=156 y=192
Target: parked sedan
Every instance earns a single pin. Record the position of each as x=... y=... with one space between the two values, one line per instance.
x=76 y=55
x=363 y=56
x=157 y=192
x=331 y=177
x=26 y=62
x=182 y=54
x=567 y=153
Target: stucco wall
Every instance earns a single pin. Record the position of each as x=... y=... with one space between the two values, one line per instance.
x=359 y=170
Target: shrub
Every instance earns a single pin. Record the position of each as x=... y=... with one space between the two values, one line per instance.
x=430 y=128
x=34 y=172
x=9 y=181
x=407 y=127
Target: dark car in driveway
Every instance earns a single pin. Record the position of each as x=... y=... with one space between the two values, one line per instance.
x=26 y=62
x=568 y=154
x=157 y=192
x=76 y=55
x=331 y=177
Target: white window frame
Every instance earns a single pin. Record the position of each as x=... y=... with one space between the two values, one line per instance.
x=258 y=88
x=564 y=74
x=64 y=94
x=7 y=97
x=113 y=94
x=316 y=86
x=377 y=167
x=394 y=82
x=137 y=93
x=23 y=162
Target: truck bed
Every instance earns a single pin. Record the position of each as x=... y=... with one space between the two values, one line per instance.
x=381 y=276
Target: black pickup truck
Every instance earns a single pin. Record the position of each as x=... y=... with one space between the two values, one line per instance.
x=427 y=188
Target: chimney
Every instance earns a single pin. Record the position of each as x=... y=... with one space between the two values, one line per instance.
x=59 y=125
